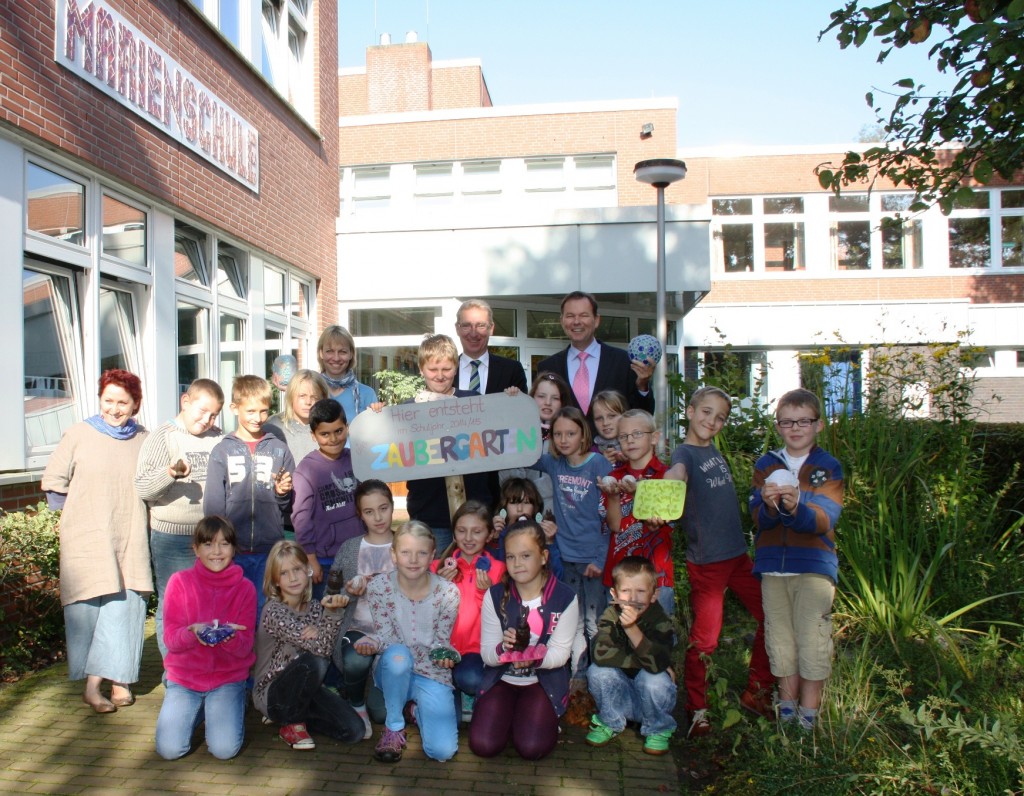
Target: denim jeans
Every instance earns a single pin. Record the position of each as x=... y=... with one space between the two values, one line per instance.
x=469 y=673
x=222 y=709
x=591 y=594
x=647 y=698
x=170 y=553
x=298 y=696
x=355 y=671
x=435 y=707
x=254 y=565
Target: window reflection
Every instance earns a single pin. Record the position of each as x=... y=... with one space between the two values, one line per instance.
x=969 y=244
x=51 y=351
x=117 y=331
x=193 y=344
x=56 y=205
x=124 y=231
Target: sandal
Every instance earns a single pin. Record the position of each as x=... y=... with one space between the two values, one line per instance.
x=100 y=705
x=123 y=701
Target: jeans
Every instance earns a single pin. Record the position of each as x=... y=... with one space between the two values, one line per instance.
x=298 y=696
x=468 y=674
x=355 y=671
x=222 y=709
x=321 y=587
x=170 y=553
x=667 y=599
x=647 y=698
x=442 y=538
x=254 y=565
x=591 y=594
x=435 y=707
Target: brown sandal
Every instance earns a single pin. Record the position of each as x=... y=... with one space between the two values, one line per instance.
x=101 y=705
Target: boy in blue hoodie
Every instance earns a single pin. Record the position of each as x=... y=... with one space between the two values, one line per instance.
x=795 y=500
x=249 y=480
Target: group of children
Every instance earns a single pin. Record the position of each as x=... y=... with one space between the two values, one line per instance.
x=560 y=582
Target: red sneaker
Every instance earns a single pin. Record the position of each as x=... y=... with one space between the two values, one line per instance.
x=297 y=737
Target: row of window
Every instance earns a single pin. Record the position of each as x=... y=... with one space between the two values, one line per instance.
x=88 y=285
x=273 y=35
x=580 y=181
x=861 y=232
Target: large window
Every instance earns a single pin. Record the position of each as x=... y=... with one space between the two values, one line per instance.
x=851 y=232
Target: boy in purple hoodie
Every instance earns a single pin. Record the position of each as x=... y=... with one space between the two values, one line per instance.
x=324 y=511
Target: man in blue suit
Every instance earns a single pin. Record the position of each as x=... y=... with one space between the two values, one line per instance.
x=590 y=366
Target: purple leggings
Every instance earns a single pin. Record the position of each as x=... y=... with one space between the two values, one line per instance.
x=522 y=713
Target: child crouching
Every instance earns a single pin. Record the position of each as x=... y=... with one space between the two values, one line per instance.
x=631 y=678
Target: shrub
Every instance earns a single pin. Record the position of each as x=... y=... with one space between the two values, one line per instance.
x=31 y=620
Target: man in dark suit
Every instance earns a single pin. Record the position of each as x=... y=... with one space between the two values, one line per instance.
x=590 y=366
x=479 y=370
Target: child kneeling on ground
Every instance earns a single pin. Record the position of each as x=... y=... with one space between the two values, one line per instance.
x=631 y=678
x=206 y=671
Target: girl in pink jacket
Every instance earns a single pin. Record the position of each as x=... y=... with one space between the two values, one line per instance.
x=209 y=626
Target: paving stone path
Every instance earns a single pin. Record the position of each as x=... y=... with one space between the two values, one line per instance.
x=50 y=742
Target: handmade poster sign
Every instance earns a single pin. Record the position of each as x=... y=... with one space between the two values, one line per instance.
x=662 y=499
x=453 y=436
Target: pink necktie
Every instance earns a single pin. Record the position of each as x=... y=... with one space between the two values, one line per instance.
x=581 y=383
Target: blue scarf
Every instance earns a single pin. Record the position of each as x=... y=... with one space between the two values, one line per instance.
x=127 y=431
x=346 y=381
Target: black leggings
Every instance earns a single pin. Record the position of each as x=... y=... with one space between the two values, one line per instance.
x=298 y=696
x=520 y=713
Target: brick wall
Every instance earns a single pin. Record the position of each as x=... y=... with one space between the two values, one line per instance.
x=988 y=289
x=16 y=497
x=292 y=217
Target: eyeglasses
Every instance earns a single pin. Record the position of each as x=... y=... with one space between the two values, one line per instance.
x=632 y=435
x=473 y=327
x=803 y=422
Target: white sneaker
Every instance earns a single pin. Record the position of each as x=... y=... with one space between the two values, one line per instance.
x=361 y=711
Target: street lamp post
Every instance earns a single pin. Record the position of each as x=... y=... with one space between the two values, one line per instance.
x=661 y=173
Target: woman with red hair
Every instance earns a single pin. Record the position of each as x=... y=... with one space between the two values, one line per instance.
x=104 y=552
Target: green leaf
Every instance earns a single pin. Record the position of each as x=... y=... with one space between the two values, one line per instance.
x=862 y=35
x=906 y=82
x=983 y=169
x=732 y=716
x=1016 y=9
x=870 y=99
x=825 y=179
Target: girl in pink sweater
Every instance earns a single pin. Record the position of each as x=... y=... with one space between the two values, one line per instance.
x=209 y=626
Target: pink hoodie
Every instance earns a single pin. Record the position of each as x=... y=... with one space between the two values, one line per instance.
x=198 y=596
x=466 y=633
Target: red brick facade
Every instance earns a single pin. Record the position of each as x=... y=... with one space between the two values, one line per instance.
x=298 y=165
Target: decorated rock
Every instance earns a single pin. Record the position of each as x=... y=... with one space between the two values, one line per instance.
x=645 y=348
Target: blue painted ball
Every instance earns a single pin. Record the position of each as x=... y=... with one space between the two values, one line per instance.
x=646 y=348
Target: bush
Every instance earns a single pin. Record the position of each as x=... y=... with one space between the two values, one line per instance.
x=31 y=619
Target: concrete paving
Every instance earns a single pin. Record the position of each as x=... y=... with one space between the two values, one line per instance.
x=50 y=742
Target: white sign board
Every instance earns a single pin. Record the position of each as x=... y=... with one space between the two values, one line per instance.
x=103 y=48
x=453 y=436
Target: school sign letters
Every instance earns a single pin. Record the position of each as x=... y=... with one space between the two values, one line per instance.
x=101 y=47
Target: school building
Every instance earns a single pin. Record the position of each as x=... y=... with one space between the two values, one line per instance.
x=446 y=196
x=168 y=203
